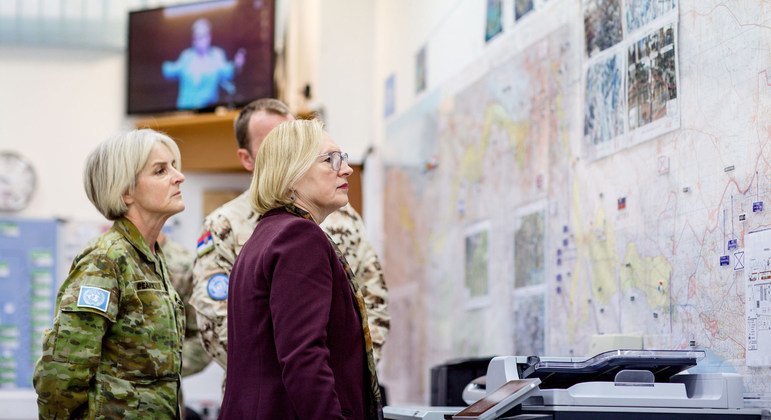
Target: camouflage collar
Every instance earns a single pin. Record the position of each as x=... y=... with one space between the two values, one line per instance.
x=291 y=209
x=131 y=233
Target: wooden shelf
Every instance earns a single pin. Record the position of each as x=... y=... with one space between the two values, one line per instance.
x=206 y=141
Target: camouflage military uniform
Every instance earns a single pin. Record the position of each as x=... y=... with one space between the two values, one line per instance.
x=180 y=263
x=224 y=233
x=115 y=347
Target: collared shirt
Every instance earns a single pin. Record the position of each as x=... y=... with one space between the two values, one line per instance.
x=115 y=346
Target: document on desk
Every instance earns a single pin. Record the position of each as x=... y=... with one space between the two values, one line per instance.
x=757 y=272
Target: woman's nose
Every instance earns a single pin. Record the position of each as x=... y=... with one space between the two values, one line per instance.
x=179 y=177
x=345 y=170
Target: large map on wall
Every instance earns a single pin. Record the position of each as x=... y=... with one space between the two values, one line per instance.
x=501 y=237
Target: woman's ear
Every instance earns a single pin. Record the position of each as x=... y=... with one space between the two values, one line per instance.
x=128 y=198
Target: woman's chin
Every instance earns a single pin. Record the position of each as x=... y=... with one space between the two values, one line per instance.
x=176 y=209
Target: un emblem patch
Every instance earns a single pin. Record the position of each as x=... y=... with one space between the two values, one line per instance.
x=93 y=297
x=218 y=287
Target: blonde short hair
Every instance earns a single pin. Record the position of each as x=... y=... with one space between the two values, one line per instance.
x=284 y=157
x=111 y=169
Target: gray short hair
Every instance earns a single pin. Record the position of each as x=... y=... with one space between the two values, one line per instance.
x=111 y=169
x=284 y=157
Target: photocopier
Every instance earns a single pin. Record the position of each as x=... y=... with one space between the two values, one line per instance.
x=617 y=384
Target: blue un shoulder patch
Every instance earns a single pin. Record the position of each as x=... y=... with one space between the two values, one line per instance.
x=218 y=287
x=93 y=297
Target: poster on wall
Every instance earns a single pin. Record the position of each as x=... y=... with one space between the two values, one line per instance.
x=602 y=25
x=604 y=106
x=652 y=93
x=493 y=21
x=528 y=299
x=389 y=96
x=521 y=8
x=420 y=70
x=757 y=275
x=639 y=13
x=529 y=243
x=631 y=87
x=528 y=323
x=28 y=260
x=477 y=263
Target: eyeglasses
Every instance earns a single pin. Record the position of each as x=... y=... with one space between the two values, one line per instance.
x=335 y=159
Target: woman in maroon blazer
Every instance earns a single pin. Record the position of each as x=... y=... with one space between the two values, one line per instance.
x=298 y=342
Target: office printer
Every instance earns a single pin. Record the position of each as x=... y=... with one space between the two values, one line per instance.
x=612 y=385
x=637 y=378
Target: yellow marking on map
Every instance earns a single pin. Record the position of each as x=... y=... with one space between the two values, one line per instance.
x=650 y=275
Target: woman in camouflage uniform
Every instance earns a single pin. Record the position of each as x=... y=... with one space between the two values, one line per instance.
x=115 y=347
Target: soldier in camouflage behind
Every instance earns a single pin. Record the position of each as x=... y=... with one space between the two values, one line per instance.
x=116 y=344
x=180 y=265
x=227 y=228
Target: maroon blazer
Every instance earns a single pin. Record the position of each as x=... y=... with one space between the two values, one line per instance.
x=295 y=343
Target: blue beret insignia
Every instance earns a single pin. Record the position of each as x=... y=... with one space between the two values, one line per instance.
x=218 y=287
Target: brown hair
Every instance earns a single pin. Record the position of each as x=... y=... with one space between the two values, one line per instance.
x=241 y=124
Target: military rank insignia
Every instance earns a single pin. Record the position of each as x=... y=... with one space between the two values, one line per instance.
x=218 y=287
x=93 y=297
x=205 y=244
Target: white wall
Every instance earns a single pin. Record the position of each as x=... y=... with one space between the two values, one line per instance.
x=346 y=71
x=56 y=105
x=303 y=38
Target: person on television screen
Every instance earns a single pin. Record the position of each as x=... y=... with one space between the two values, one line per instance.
x=202 y=69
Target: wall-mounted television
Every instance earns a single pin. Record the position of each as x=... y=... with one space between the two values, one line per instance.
x=199 y=56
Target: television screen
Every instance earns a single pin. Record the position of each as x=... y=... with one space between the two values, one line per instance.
x=198 y=56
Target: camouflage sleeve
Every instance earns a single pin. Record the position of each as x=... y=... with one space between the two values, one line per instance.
x=194 y=356
x=369 y=274
x=87 y=304
x=214 y=259
x=180 y=264
x=347 y=229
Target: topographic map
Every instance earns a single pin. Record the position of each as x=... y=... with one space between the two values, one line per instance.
x=505 y=233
